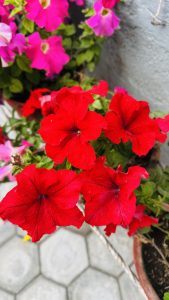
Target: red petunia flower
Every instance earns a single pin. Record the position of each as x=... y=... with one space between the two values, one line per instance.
x=42 y=200
x=111 y=228
x=101 y=89
x=34 y=101
x=140 y=220
x=109 y=3
x=2 y=140
x=49 y=101
x=163 y=123
x=68 y=132
x=128 y=120
x=109 y=194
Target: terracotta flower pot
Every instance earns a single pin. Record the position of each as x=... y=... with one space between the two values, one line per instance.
x=142 y=276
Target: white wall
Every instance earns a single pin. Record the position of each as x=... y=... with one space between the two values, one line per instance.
x=137 y=56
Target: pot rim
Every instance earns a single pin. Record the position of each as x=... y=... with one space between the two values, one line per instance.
x=142 y=276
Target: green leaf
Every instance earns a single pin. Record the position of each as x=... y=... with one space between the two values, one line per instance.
x=157 y=114
x=115 y=158
x=16 y=85
x=68 y=165
x=91 y=66
x=23 y=63
x=97 y=104
x=166 y=296
x=28 y=25
x=89 y=55
x=148 y=188
x=145 y=230
x=15 y=71
x=33 y=77
x=5 y=80
x=84 y=57
x=45 y=162
x=86 y=43
x=15 y=11
x=67 y=43
x=16 y=170
x=66 y=30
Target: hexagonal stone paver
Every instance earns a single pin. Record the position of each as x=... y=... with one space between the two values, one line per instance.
x=84 y=230
x=7 y=230
x=18 y=264
x=5 y=296
x=42 y=289
x=5 y=188
x=123 y=244
x=63 y=256
x=100 y=256
x=128 y=290
x=93 y=285
x=20 y=232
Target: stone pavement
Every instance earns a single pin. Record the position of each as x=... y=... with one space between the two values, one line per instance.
x=67 y=265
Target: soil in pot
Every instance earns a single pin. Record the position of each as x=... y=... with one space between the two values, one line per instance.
x=156 y=268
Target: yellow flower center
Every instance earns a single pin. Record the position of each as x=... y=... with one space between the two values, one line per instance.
x=44 y=3
x=105 y=12
x=44 y=47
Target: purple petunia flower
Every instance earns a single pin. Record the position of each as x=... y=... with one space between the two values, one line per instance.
x=104 y=22
x=11 y=43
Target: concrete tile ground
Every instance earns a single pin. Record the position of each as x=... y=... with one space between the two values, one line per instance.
x=68 y=265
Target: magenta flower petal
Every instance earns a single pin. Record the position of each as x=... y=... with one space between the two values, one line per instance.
x=46 y=54
x=48 y=14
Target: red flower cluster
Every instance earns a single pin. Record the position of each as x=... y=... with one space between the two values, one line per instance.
x=139 y=221
x=42 y=200
x=69 y=130
x=48 y=101
x=1 y=136
x=109 y=194
x=129 y=120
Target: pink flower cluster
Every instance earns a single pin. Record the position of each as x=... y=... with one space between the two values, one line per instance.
x=48 y=53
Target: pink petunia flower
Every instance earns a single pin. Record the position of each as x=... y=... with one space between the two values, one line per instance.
x=5 y=13
x=7 y=152
x=48 y=14
x=11 y=43
x=104 y=22
x=163 y=123
x=46 y=54
x=6 y=171
x=119 y=89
